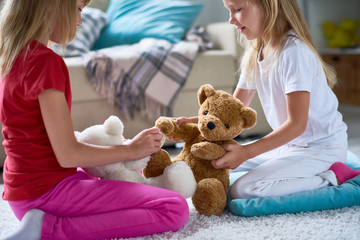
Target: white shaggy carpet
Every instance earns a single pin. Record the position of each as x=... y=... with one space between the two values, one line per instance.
x=340 y=224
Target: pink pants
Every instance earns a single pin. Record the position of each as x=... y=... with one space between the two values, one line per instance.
x=81 y=207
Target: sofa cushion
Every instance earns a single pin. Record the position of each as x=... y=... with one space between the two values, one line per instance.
x=93 y=21
x=133 y=20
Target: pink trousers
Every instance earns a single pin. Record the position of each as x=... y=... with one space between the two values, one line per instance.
x=81 y=207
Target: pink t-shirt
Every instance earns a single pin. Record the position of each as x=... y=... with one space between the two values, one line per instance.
x=31 y=167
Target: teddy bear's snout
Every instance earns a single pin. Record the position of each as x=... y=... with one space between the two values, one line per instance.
x=211 y=125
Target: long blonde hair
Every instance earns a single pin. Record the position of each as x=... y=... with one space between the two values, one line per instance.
x=23 y=21
x=280 y=16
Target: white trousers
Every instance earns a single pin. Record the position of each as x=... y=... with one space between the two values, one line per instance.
x=289 y=169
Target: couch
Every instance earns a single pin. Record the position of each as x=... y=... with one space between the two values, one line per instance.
x=216 y=67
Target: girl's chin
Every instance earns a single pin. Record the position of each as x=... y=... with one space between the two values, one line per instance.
x=248 y=36
x=244 y=32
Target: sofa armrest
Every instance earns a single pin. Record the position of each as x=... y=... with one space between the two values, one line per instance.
x=225 y=37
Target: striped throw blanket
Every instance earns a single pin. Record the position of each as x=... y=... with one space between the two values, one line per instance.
x=144 y=77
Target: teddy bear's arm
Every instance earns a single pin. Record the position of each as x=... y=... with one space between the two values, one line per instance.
x=209 y=150
x=185 y=132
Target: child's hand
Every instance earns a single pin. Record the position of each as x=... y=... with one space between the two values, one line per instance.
x=181 y=120
x=235 y=156
x=146 y=143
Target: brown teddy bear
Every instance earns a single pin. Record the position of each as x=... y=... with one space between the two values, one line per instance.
x=221 y=117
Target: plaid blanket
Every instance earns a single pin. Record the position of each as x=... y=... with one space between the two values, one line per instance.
x=144 y=77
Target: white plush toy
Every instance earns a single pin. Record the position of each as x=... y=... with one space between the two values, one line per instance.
x=176 y=177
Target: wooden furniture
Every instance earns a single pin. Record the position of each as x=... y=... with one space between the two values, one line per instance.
x=348 y=71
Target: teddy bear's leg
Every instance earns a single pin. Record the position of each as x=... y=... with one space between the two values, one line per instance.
x=210 y=197
x=158 y=162
x=179 y=177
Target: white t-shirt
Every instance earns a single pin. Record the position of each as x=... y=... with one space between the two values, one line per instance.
x=298 y=69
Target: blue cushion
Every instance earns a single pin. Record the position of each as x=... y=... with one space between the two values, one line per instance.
x=345 y=195
x=133 y=20
x=352 y=160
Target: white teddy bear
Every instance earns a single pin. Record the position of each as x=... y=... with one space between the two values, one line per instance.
x=176 y=177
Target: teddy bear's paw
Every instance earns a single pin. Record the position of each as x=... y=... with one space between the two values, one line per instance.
x=210 y=197
x=158 y=161
x=178 y=177
x=138 y=164
x=165 y=124
x=207 y=150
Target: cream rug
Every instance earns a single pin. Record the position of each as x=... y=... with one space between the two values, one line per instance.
x=340 y=224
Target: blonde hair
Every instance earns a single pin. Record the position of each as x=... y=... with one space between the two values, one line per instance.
x=280 y=16
x=23 y=21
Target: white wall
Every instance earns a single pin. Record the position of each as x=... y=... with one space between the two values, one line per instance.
x=213 y=11
x=315 y=11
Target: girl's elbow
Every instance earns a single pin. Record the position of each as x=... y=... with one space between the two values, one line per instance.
x=68 y=156
x=67 y=165
x=66 y=160
x=297 y=128
x=301 y=128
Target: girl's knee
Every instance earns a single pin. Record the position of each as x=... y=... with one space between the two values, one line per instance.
x=179 y=212
x=247 y=190
x=240 y=191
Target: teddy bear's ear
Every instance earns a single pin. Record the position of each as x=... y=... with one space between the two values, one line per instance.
x=249 y=116
x=114 y=126
x=204 y=92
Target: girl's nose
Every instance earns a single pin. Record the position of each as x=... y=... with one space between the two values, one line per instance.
x=231 y=19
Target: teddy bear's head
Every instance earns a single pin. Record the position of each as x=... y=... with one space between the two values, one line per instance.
x=221 y=115
x=108 y=134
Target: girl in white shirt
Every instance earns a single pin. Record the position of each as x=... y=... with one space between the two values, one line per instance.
x=308 y=145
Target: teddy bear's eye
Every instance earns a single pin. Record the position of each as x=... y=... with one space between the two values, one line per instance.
x=227 y=125
x=206 y=112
